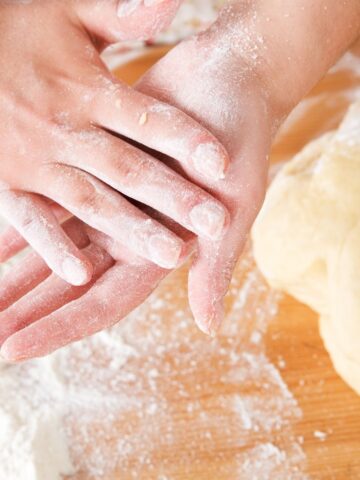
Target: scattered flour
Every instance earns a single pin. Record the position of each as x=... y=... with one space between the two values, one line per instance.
x=32 y=439
x=322 y=436
x=128 y=398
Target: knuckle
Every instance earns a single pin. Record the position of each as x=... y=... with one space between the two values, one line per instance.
x=130 y=169
x=86 y=195
x=77 y=187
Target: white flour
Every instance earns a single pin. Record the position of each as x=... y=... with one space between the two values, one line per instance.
x=128 y=398
x=32 y=442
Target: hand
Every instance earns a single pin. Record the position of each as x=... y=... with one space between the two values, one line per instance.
x=41 y=312
x=221 y=91
x=62 y=114
x=240 y=79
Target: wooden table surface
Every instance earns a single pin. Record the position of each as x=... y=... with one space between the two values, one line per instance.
x=329 y=427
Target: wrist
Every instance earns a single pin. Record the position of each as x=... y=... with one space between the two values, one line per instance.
x=288 y=45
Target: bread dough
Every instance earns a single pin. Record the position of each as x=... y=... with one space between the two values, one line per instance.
x=307 y=238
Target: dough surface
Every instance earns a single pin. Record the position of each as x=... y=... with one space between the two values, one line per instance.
x=307 y=238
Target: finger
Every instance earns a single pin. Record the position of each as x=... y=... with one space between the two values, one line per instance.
x=12 y=242
x=106 y=210
x=101 y=307
x=212 y=269
x=209 y=278
x=32 y=270
x=22 y=278
x=124 y=255
x=34 y=220
x=133 y=297
x=160 y=127
x=49 y=296
x=145 y=179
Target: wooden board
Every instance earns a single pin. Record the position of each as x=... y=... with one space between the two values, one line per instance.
x=330 y=423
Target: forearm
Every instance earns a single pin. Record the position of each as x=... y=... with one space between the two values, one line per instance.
x=290 y=44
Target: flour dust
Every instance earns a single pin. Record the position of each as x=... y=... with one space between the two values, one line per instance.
x=155 y=399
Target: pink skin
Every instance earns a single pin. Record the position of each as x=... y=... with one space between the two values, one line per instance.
x=61 y=292
x=135 y=19
x=231 y=94
x=32 y=324
x=13 y=243
x=26 y=275
x=59 y=121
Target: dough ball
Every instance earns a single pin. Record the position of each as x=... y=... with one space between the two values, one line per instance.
x=307 y=238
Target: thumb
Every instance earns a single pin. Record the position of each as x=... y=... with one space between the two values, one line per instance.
x=121 y=20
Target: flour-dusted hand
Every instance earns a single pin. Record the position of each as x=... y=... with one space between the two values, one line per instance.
x=41 y=313
x=230 y=101
x=65 y=126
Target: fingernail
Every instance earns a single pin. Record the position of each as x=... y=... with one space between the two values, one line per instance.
x=208 y=219
x=127 y=7
x=211 y=326
x=208 y=161
x=164 y=251
x=75 y=272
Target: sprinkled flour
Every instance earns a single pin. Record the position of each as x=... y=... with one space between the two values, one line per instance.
x=127 y=399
